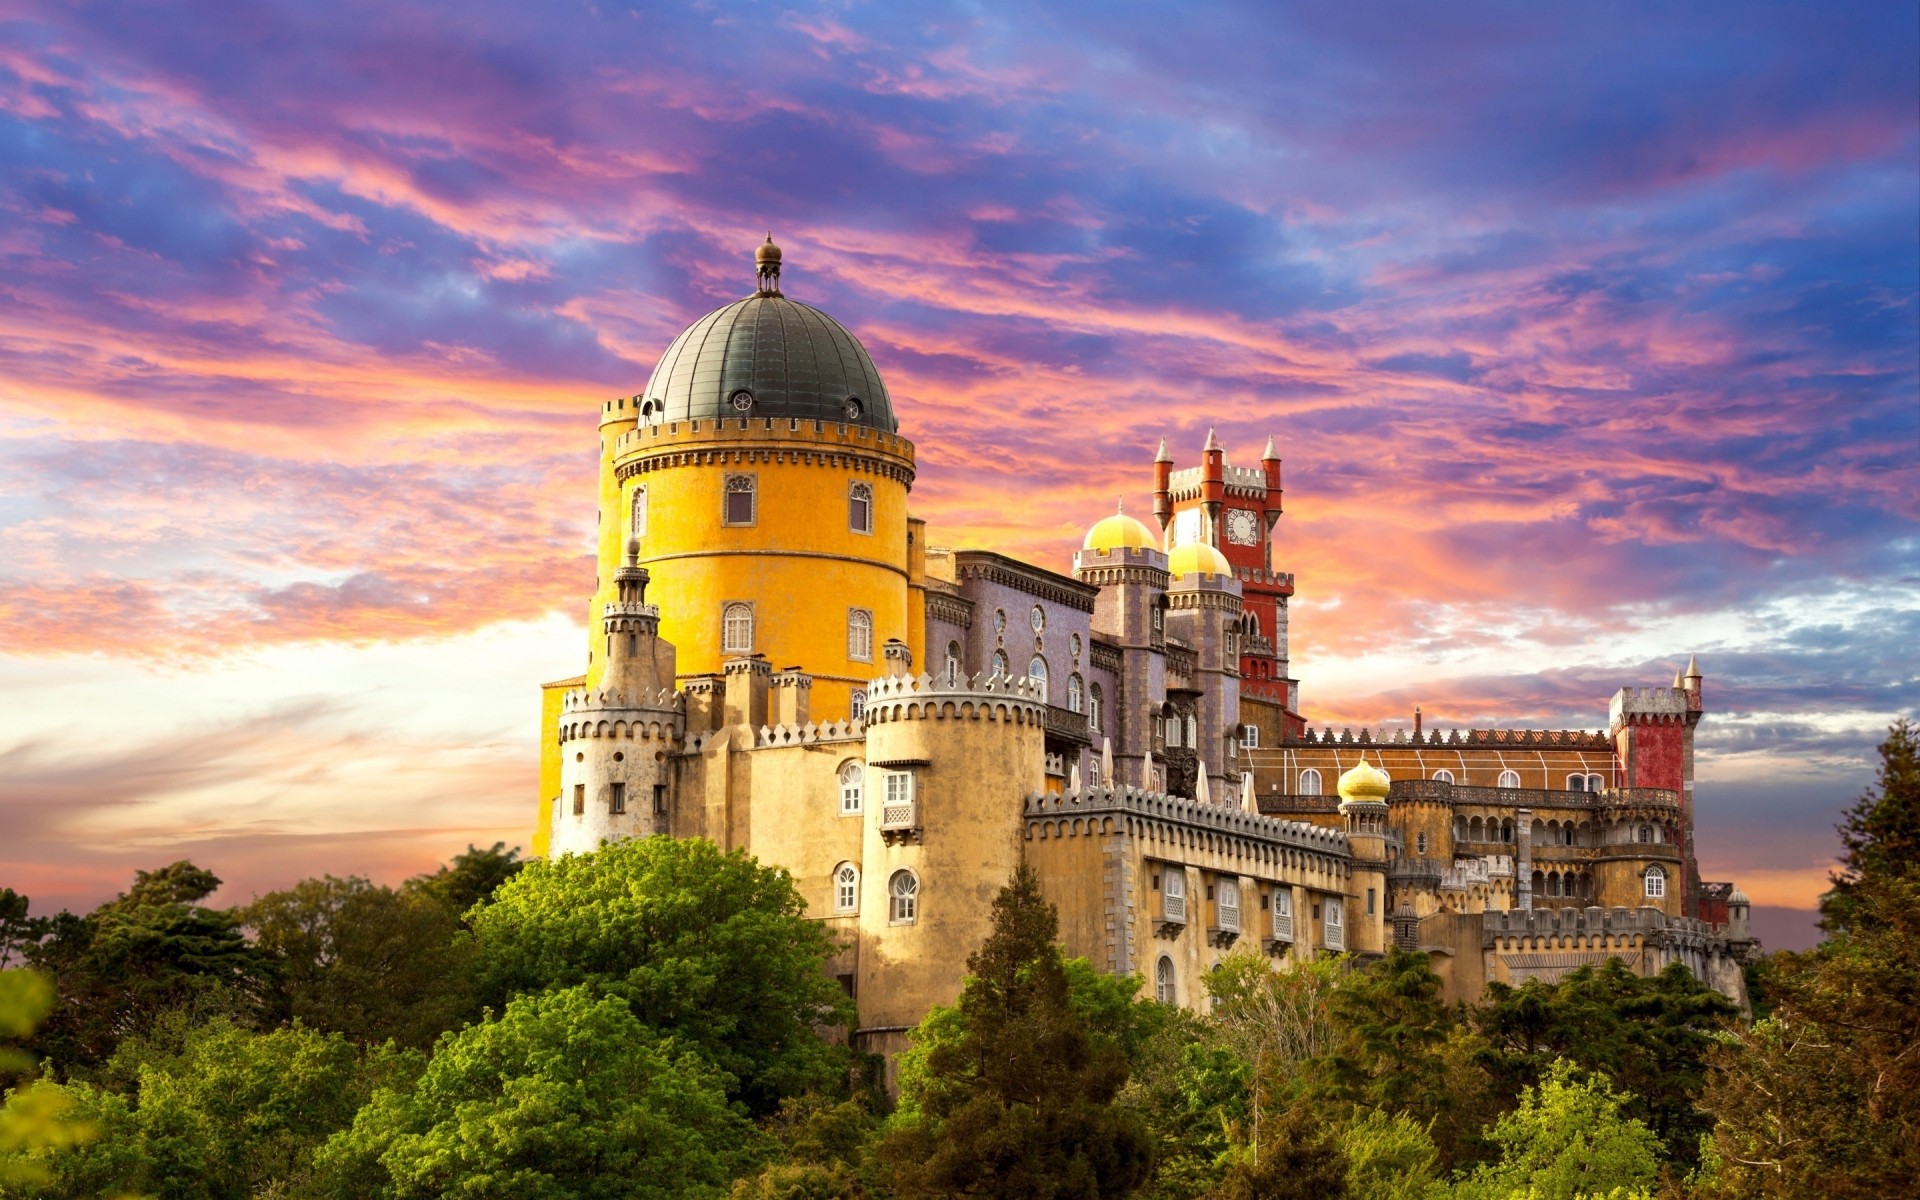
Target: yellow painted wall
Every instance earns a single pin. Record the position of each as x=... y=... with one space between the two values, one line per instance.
x=800 y=564
x=551 y=696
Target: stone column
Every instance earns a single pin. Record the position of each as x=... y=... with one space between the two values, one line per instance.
x=1523 y=860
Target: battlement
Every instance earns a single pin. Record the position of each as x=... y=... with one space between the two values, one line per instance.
x=1185 y=484
x=1565 y=922
x=1570 y=739
x=615 y=608
x=742 y=439
x=581 y=700
x=1215 y=818
x=1652 y=705
x=911 y=697
x=809 y=734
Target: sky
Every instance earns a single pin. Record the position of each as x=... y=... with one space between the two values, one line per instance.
x=1589 y=334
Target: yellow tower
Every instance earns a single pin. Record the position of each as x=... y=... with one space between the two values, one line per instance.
x=766 y=485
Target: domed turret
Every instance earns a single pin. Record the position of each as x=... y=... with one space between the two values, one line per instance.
x=1120 y=532
x=767 y=356
x=1363 y=782
x=1198 y=558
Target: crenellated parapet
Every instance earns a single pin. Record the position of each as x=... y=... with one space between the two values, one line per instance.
x=1509 y=929
x=809 y=734
x=655 y=715
x=1654 y=706
x=1552 y=739
x=1213 y=819
x=941 y=697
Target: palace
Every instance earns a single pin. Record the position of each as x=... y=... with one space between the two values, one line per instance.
x=780 y=661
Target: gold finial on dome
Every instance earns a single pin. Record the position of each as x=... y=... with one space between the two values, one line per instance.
x=766 y=265
x=1363 y=782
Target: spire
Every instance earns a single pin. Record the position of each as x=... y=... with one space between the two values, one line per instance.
x=1201 y=793
x=1163 y=456
x=1106 y=763
x=1213 y=443
x=1248 y=802
x=766 y=266
x=1271 y=454
x=1693 y=666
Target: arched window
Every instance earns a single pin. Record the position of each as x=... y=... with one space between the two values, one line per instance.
x=1000 y=665
x=1076 y=694
x=1656 y=883
x=1037 y=671
x=1173 y=894
x=1443 y=776
x=1506 y=831
x=857 y=708
x=860 y=634
x=1596 y=783
x=1645 y=833
x=1576 y=783
x=1509 y=779
x=740 y=508
x=846 y=888
x=1163 y=986
x=953 y=662
x=1553 y=884
x=903 y=898
x=736 y=629
x=1095 y=702
x=1310 y=782
x=860 y=508
x=637 y=527
x=853 y=782
x=1229 y=905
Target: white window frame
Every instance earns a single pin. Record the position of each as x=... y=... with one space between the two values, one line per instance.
x=1166 y=988
x=1076 y=693
x=1173 y=732
x=897 y=799
x=740 y=483
x=1001 y=666
x=857 y=704
x=1577 y=783
x=1333 y=918
x=1229 y=904
x=1283 y=914
x=956 y=665
x=853 y=788
x=859 y=493
x=1443 y=776
x=1509 y=779
x=1655 y=884
x=742 y=609
x=860 y=634
x=846 y=889
x=1173 y=894
x=1249 y=737
x=1094 y=705
x=1596 y=783
x=1312 y=776
x=1046 y=687
x=903 y=898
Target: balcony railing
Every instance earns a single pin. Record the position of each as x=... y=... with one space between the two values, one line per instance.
x=1067 y=724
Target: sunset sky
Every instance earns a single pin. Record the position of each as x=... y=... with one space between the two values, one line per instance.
x=1589 y=334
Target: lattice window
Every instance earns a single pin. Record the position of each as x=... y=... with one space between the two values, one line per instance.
x=897 y=805
x=1230 y=905
x=1283 y=914
x=860 y=634
x=857 y=705
x=1173 y=895
x=736 y=629
x=1335 y=926
x=1163 y=982
x=1656 y=883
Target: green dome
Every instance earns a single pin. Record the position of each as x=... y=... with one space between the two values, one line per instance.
x=768 y=356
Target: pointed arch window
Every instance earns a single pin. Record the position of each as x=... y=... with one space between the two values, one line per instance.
x=860 y=507
x=857 y=705
x=953 y=662
x=1656 y=883
x=860 y=635
x=736 y=629
x=741 y=500
x=1163 y=982
x=1000 y=664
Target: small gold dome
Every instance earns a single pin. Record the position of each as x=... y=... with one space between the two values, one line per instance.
x=768 y=252
x=1198 y=558
x=1364 y=781
x=1120 y=532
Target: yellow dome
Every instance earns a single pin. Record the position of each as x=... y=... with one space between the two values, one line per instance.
x=1364 y=781
x=1120 y=532
x=1200 y=558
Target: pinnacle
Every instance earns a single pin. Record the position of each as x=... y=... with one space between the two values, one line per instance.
x=1213 y=443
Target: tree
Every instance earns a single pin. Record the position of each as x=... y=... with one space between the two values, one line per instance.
x=214 y=1111
x=36 y=1121
x=564 y=1096
x=1823 y=1098
x=152 y=949
x=1392 y=1023
x=471 y=878
x=18 y=931
x=1653 y=1037
x=370 y=962
x=1569 y=1138
x=1298 y=1159
x=1880 y=834
x=1391 y=1157
x=709 y=947
x=1020 y=1104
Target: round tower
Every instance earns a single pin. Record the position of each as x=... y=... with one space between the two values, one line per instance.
x=767 y=487
x=1203 y=611
x=949 y=762
x=1363 y=802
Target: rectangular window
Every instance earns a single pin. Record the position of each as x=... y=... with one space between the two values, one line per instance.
x=1174 y=899
x=860 y=508
x=896 y=810
x=579 y=799
x=1230 y=905
x=660 y=799
x=741 y=492
x=617 y=797
x=1282 y=915
x=1369 y=901
x=1250 y=737
x=1336 y=935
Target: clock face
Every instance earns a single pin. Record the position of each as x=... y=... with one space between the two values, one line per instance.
x=1243 y=528
x=742 y=400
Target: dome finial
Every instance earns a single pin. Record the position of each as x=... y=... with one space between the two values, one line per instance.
x=1120 y=505
x=766 y=264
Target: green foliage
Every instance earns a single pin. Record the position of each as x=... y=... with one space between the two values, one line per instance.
x=18 y=931
x=1569 y=1138
x=565 y=1095
x=1020 y=1104
x=1880 y=834
x=153 y=949
x=37 y=1119
x=1391 y=1157
x=373 y=963
x=1651 y=1036
x=823 y=1152
x=471 y=878
x=1298 y=1158
x=214 y=1111
x=1392 y=1023
x=708 y=947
